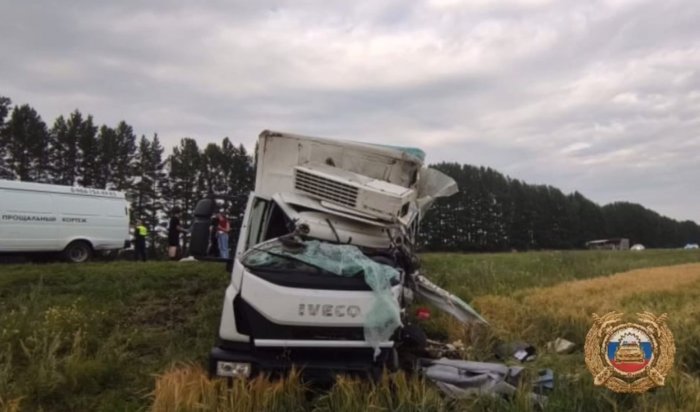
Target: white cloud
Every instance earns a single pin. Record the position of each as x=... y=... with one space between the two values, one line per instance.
x=588 y=96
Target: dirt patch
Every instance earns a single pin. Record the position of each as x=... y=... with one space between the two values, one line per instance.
x=161 y=312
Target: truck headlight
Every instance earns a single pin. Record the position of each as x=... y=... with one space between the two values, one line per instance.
x=233 y=369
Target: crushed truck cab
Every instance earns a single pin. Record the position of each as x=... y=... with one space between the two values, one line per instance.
x=325 y=264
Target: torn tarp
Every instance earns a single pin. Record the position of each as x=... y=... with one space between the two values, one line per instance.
x=432 y=185
x=342 y=260
x=460 y=379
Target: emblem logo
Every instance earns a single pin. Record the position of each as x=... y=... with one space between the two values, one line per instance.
x=629 y=357
x=337 y=311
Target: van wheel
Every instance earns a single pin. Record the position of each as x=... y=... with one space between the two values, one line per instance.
x=78 y=251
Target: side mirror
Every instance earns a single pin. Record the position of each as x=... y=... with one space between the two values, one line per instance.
x=199 y=237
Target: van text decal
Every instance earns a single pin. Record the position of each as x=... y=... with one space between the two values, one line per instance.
x=74 y=220
x=29 y=218
x=87 y=191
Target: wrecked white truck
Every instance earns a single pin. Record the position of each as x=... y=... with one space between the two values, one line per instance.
x=325 y=266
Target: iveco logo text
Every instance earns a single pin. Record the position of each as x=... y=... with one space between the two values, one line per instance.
x=338 y=311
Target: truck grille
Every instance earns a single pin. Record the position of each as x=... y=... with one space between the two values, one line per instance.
x=325 y=188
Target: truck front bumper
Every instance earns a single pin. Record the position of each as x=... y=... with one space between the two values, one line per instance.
x=314 y=364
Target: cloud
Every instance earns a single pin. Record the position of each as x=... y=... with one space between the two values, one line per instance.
x=601 y=97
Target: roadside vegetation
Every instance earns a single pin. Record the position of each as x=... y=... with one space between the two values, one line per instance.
x=131 y=336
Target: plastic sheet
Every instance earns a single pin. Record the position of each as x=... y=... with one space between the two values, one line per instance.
x=413 y=151
x=432 y=185
x=344 y=260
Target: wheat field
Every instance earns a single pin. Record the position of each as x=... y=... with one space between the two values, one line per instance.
x=533 y=314
x=125 y=336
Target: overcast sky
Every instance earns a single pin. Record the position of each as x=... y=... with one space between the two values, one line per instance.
x=602 y=97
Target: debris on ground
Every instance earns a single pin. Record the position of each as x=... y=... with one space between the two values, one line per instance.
x=459 y=379
x=545 y=379
x=437 y=349
x=560 y=346
x=521 y=351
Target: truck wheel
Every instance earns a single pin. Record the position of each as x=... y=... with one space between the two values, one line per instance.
x=78 y=251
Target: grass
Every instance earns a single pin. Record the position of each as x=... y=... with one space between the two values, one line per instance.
x=472 y=275
x=130 y=336
x=90 y=337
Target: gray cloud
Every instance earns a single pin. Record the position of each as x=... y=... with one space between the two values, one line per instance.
x=601 y=97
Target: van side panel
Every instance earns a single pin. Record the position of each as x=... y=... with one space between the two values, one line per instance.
x=103 y=222
x=34 y=219
x=28 y=221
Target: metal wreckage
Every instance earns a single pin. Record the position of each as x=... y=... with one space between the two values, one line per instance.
x=326 y=268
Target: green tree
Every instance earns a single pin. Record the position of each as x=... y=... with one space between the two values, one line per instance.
x=146 y=194
x=213 y=166
x=65 y=154
x=184 y=183
x=5 y=172
x=26 y=141
x=156 y=173
x=123 y=162
x=88 y=149
x=5 y=104
x=108 y=148
x=239 y=177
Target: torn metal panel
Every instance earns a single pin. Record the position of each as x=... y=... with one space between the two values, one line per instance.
x=461 y=379
x=446 y=301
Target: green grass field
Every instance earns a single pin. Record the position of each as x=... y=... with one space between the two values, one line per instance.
x=127 y=336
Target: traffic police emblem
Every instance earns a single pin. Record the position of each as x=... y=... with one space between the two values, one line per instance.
x=629 y=357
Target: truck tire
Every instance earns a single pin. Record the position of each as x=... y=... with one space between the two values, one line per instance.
x=77 y=251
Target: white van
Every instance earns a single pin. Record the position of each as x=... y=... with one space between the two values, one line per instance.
x=75 y=221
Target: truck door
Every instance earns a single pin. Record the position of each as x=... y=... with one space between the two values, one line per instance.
x=254 y=223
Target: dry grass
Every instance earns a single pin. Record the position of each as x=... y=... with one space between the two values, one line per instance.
x=91 y=337
x=535 y=315
x=10 y=405
x=186 y=388
x=569 y=306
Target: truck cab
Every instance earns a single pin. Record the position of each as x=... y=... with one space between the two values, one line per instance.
x=325 y=262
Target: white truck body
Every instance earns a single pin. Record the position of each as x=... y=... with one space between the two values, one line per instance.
x=290 y=311
x=37 y=217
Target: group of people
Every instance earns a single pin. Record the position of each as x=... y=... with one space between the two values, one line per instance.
x=220 y=234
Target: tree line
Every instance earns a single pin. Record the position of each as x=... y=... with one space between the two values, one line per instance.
x=76 y=151
x=492 y=212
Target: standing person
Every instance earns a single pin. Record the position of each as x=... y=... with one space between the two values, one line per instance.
x=174 y=230
x=140 y=233
x=222 y=235
x=213 y=240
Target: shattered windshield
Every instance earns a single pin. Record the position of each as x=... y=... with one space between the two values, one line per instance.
x=275 y=256
x=340 y=260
